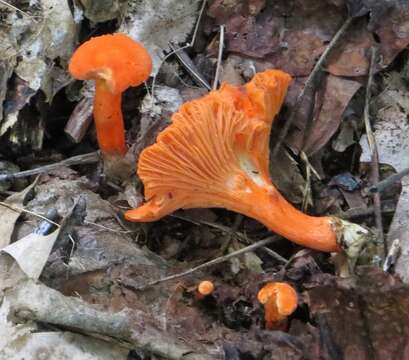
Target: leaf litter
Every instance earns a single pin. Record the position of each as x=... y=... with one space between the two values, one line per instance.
x=93 y=264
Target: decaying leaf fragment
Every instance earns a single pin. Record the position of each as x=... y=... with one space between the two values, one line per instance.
x=155 y=23
x=37 y=45
x=10 y=212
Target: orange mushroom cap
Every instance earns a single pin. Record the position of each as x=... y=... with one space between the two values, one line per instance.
x=216 y=154
x=116 y=59
x=198 y=160
x=115 y=62
x=205 y=287
x=279 y=299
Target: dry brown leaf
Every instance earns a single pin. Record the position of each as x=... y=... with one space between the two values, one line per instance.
x=291 y=35
x=335 y=95
x=9 y=215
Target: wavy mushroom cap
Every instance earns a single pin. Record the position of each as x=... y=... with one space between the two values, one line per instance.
x=215 y=146
x=117 y=59
x=279 y=299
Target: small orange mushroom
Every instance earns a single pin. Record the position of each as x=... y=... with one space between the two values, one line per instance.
x=216 y=154
x=205 y=288
x=279 y=299
x=115 y=62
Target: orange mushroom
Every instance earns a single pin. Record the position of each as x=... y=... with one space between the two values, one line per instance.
x=279 y=299
x=216 y=154
x=204 y=289
x=115 y=62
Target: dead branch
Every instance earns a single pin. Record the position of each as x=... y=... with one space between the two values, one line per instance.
x=219 y=58
x=83 y=159
x=374 y=174
x=34 y=301
x=79 y=121
x=190 y=67
x=390 y=180
x=216 y=261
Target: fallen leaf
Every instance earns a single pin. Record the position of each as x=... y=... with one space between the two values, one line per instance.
x=392 y=138
x=291 y=35
x=9 y=215
x=32 y=252
x=334 y=97
x=39 y=45
x=155 y=23
x=374 y=322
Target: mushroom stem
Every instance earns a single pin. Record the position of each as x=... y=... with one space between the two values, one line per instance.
x=270 y=208
x=108 y=120
x=324 y=233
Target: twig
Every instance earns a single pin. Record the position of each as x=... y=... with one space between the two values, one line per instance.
x=79 y=121
x=190 y=67
x=231 y=231
x=310 y=84
x=237 y=222
x=5 y=3
x=102 y=227
x=219 y=227
x=275 y=255
x=392 y=256
x=160 y=65
x=75 y=160
x=19 y=209
x=386 y=183
x=219 y=58
x=199 y=18
x=216 y=261
x=188 y=45
x=35 y=301
x=388 y=207
x=374 y=175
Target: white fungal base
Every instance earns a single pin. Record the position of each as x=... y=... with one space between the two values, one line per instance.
x=352 y=238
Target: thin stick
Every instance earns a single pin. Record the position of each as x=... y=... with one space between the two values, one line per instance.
x=239 y=235
x=36 y=302
x=275 y=255
x=190 y=67
x=219 y=227
x=310 y=84
x=374 y=175
x=80 y=120
x=387 y=208
x=392 y=256
x=160 y=65
x=188 y=45
x=75 y=160
x=386 y=183
x=5 y=3
x=199 y=18
x=219 y=58
x=218 y=260
x=19 y=209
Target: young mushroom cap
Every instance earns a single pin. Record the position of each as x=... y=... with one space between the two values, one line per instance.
x=205 y=287
x=216 y=154
x=279 y=299
x=115 y=62
x=116 y=59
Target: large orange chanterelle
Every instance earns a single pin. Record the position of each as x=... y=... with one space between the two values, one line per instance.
x=216 y=154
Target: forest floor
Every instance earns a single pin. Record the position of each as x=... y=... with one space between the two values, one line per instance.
x=78 y=280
